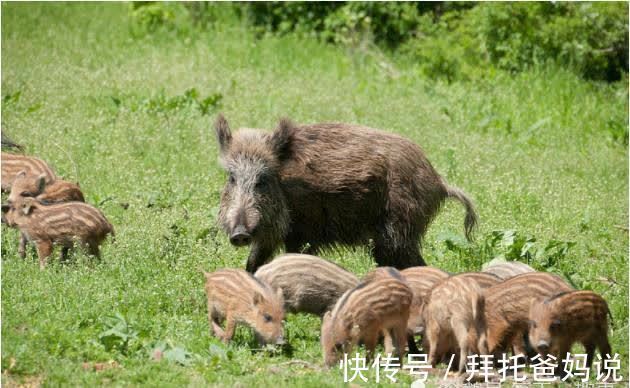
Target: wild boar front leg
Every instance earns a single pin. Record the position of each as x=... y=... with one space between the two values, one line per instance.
x=215 y=329
x=461 y=334
x=230 y=326
x=388 y=342
x=22 y=247
x=400 y=333
x=433 y=337
x=93 y=249
x=258 y=255
x=44 y=249
x=370 y=342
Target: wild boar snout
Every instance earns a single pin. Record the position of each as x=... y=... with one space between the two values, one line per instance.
x=240 y=236
x=543 y=346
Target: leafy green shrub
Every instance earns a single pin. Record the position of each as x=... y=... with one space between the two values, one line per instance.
x=510 y=245
x=446 y=40
x=590 y=37
x=389 y=24
x=284 y=17
x=148 y=17
x=163 y=104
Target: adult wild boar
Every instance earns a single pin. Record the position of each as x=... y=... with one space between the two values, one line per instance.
x=324 y=184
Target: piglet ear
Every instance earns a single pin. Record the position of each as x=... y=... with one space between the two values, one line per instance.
x=41 y=183
x=280 y=140
x=258 y=298
x=224 y=135
x=27 y=206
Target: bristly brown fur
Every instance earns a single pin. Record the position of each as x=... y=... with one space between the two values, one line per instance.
x=328 y=184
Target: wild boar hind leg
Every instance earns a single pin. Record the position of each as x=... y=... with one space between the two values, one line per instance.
x=22 y=247
x=44 y=249
x=388 y=251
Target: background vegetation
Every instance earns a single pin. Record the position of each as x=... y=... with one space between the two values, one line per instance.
x=122 y=98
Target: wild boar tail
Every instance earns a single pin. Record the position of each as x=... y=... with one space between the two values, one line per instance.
x=471 y=220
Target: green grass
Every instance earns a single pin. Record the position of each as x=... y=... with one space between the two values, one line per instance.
x=534 y=150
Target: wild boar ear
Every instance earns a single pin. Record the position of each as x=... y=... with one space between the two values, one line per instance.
x=27 y=206
x=280 y=140
x=20 y=175
x=224 y=135
x=41 y=183
x=258 y=298
x=326 y=316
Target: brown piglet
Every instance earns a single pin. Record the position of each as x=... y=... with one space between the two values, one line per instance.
x=507 y=308
x=559 y=321
x=421 y=280
x=454 y=320
x=56 y=191
x=380 y=305
x=237 y=297
x=309 y=284
x=62 y=224
x=13 y=164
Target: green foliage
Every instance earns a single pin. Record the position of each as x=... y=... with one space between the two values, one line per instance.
x=592 y=38
x=163 y=104
x=510 y=245
x=149 y=17
x=306 y=18
x=461 y=41
x=117 y=333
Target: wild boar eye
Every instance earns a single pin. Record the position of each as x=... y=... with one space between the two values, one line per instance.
x=232 y=179
x=267 y=317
